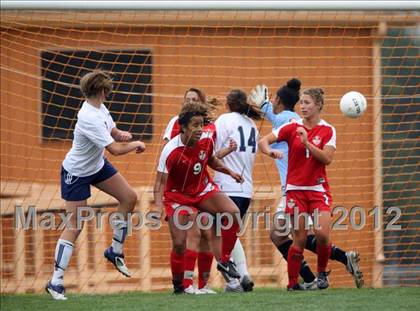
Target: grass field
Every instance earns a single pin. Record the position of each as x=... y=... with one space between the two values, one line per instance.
x=261 y=299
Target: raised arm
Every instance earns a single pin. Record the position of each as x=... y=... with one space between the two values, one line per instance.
x=121 y=136
x=123 y=148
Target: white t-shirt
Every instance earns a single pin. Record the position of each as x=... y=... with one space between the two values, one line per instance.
x=91 y=135
x=243 y=130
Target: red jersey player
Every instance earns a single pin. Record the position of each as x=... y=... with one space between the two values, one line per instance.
x=182 y=172
x=311 y=143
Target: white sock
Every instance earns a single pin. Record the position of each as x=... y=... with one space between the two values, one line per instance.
x=120 y=232
x=63 y=252
x=239 y=258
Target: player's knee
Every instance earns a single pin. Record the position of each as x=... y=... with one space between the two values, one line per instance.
x=322 y=238
x=179 y=246
x=130 y=200
x=278 y=236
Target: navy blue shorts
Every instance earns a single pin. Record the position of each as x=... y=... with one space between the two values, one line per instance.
x=242 y=204
x=75 y=188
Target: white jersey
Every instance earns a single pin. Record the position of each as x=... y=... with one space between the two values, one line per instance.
x=91 y=135
x=243 y=130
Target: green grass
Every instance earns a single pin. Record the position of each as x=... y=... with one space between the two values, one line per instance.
x=261 y=299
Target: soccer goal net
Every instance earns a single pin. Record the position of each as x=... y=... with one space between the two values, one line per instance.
x=154 y=56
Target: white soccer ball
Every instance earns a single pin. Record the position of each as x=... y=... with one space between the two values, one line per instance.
x=353 y=104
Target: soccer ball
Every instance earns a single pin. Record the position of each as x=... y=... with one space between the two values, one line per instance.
x=353 y=104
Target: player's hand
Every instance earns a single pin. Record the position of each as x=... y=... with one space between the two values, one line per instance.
x=259 y=95
x=301 y=132
x=233 y=145
x=276 y=154
x=124 y=136
x=141 y=146
x=238 y=178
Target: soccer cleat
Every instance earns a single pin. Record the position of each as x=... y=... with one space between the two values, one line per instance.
x=310 y=285
x=178 y=288
x=56 y=291
x=322 y=280
x=295 y=288
x=191 y=290
x=247 y=284
x=118 y=261
x=233 y=286
x=207 y=290
x=353 y=268
x=228 y=270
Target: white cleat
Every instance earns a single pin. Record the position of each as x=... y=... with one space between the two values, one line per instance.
x=207 y=290
x=311 y=285
x=353 y=268
x=191 y=290
x=234 y=286
x=56 y=291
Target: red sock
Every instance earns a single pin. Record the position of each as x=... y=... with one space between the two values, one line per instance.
x=177 y=267
x=190 y=258
x=205 y=259
x=294 y=261
x=324 y=252
x=228 y=241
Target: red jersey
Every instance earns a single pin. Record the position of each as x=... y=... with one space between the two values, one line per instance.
x=186 y=167
x=305 y=172
x=174 y=129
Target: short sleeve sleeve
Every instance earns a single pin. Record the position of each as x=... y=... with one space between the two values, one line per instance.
x=162 y=167
x=331 y=138
x=222 y=133
x=168 y=131
x=283 y=132
x=96 y=131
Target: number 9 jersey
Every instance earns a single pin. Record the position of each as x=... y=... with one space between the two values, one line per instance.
x=243 y=130
x=186 y=168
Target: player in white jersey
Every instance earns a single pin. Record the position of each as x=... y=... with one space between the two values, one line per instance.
x=279 y=113
x=85 y=165
x=238 y=125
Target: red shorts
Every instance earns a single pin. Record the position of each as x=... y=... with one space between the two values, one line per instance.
x=181 y=201
x=307 y=201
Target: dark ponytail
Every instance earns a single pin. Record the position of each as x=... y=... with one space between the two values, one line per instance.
x=289 y=94
x=237 y=102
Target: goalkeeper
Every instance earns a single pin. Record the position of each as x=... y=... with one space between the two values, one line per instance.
x=280 y=112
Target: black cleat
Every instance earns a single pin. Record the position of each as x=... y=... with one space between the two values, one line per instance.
x=178 y=288
x=228 y=270
x=322 y=280
x=247 y=284
x=295 y=288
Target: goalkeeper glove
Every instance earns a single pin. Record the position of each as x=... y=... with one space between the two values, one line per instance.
x=259 y=96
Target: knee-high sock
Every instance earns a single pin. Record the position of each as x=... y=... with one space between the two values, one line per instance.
x=324 y=252
x=305 y=271
x=63 y=252
x=177 y=267
x=228 y=241
x=336 y=253
x=238 y=256
x=118 y=239
x=205 y=259
x=190 y=258
x=294 y=261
